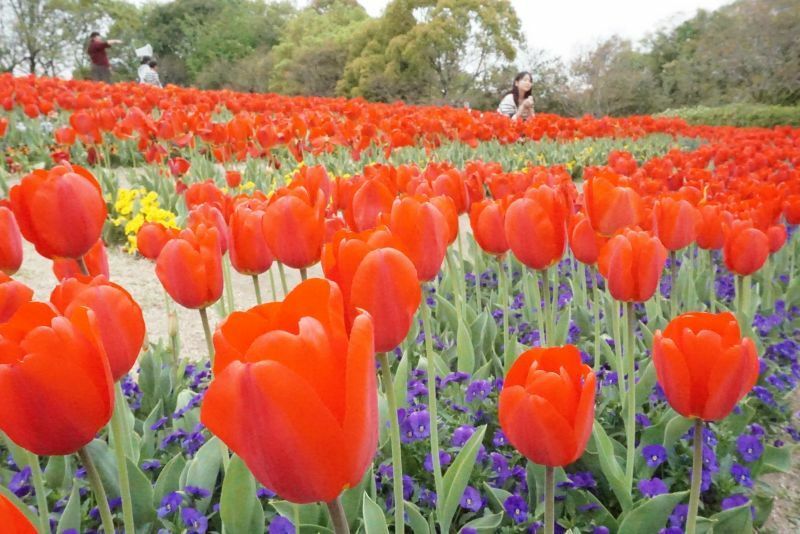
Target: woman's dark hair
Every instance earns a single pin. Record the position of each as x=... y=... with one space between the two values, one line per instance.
x=153 y=63
x=145 y=60
x=515 y=90
x=94 y=34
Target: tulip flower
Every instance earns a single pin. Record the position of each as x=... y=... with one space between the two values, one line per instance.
x=206 y=192
x=55 y=380
x=675 y=222
x=190 y=267
x=546 y=410
x=60 y=211
x=294 y=226
x=705 y=367
x=294 y=396
x=584 y=241
x=487 y=219
x=632 y=263
x=250 y=254
x=10 y=242
x=746 y=248
x=777 y=237
x=791 y=209
x=423 y=231
x=536 y=227
x=711 y=227
x=611 y=205
x=233 y=178
x=119 y=318
x=370 y=200
x=446 y=205
x=95 y=261
x=13 y=294
x=209 y=215
x=152 y=237
x=13 y=520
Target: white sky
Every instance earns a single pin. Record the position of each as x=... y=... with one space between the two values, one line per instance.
x=566 y=27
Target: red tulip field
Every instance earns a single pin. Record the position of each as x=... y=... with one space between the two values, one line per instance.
x=243 y=313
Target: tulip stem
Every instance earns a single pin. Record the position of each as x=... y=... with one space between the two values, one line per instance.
x=630 y=426
x=596 y=316
x=397 y=456
x=283 y=279
x=257 y=287
x=673 y=278
x=272 y=285
x=303 y=274
x=549 y=500
x=712 y=293
x=431 y=368
x=207 y=332
x=226 y=275
x=120 y=437
x=697 y=477
x=548 y=307
x=338 y=518
x=97 y=488
x=41 y=496
x=82 y=265
x=505 y=290
x=539 y=313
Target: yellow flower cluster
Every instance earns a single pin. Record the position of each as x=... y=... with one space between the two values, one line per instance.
x=133 y=208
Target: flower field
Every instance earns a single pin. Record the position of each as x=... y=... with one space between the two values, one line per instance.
x=553 y=325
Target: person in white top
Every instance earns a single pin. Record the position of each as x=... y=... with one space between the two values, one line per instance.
x=144 y=68
x=518 y=102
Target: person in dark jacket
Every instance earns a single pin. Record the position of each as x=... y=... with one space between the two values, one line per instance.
x=101 y=68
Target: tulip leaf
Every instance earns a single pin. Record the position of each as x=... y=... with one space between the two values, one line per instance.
x=106 y=466
x=652 y=514
x=55 y=470
x=645 y=384
x=204 y=468
x=142 y=494
x=401 y=380
x=465 y=350
x=417 y=522
x=497 y=496
x=610 y=466
x=169 y=478
x=484 y=371
x=738 y=519
x=562 y=327
x=374 y=518
x=71 y=516
x=351 y=497
x=596 y=509
x=148 y=445
x=676 y=428
x=776 y=459
x=487 y=523
x=447 y=312
x=240 y=509
x=456 y=479
x=308 y=514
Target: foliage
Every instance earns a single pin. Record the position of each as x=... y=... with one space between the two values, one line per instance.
x=761 y=115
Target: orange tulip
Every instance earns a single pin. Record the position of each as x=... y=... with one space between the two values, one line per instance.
x=249 y=251
x=60 y=211
x=190 y=267
x=711 y=228
x=791 y=209
x=233 y=179
x=746 y=248
x=209 y=215
x=584 y=241
x=487 y=219
x=423 y=231
x=13 y=294
x=777 y=237
x=119 y=317
x=675 y=222
x=632 y=263
x=10 y=242
x=293 y=396
x=96 y=261
x=55 y=383
x=446 y=205
x=546 y=407
x=370 y=200
x=536 y=227
x=294 y=227
x=704 y=365
x=13 y=521
x=206 y=192
x=374 y=276
x=152 y=237
x=610 y=205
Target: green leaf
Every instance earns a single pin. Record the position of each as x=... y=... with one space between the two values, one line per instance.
x=677 y=427
x=55 y=470
x=598 y=511
x=71 y=516
x=776 y=460
x=652 y=514
x=309 y=514
x=562 y=327
x=106 y=465
x=737 y=519
x=401 y=381
x=610 y=466
x=144 y=512
x=497 y=496
x=21 y=506
x=456 y=479
x=204 y=468
x=645 y=384
x=148 y=445
x=374 y=519
x=169 y=479
x=465 y=350
x=240 y=509
x=487 y=523
x=351 y=497
x=445 y=311
x=417 y=522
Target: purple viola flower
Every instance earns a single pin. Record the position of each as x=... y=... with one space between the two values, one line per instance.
x=461 y=435
x=265 y=493
x=415 y=426
x=151 y=465
x=444 y=459
x=471 y=499
x=427 y=498
x=281 y=525
x=737 y=499
x=654 y=455
x=652 y=487
x=601 y=529
x=416 y=388
x=197 y=492
x=500 y=467
x=408 y=487
x=642 y=420
x=158 y=425
x=170 y=503
x=756 y=430
x=750 y=447
x=516 y=508
x=710 y=459
x=763 y=394
x=671 y=530
x=195 y=522
x=582 y=480
x=499 y=439
x=741 y=475
x=479 y=389
x=678 y=516
x=20 y=482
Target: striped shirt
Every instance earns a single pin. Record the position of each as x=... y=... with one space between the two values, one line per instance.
x=508 y=108
x=151 y=78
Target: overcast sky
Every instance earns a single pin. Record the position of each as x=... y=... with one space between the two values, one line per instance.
x=566 y=27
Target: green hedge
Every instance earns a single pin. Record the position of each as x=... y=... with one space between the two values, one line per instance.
x=738 y=115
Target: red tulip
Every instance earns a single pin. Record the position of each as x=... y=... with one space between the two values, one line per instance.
x=178 y=166
x=96 y=261
x=10 y=242
x=13 y=294
x=584 y=241
x=206 y=192
x=13 y=520
x=711 y=228
x=209 y=215
x=791 y=209
x=610 y=205
x=777 y=237
x=487 y=219
x=546 y=407
x=55 y=385
x=632 y=263
x=369 y=201
x=376 y=277
x=190 y=268
x=119 y=317
x=423 y=231
x=60 y=211
x=294 y=227
x=746 y=248
x=249 y=251
x=233 y=179
x=704 y=365
x=675 y=222
x=536 y=227
x=152 y=237
x=294 y=396
x=446 y=205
